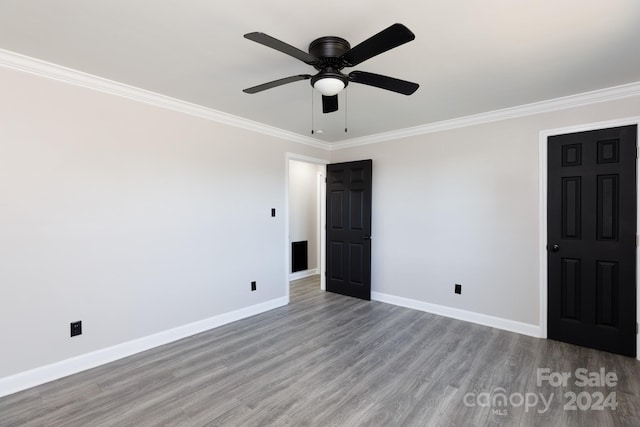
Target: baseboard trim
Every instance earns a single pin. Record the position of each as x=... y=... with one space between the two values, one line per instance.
x=456 y=313
x=54 y=371
x=302 y=274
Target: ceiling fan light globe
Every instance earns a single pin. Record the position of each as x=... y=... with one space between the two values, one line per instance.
x=329 y=86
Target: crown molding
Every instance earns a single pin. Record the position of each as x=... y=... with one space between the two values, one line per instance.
x=48 y=70
x=571 y=101
x=52 y=71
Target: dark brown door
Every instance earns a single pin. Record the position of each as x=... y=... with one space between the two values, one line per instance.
x=349 y=229
x=592 y=239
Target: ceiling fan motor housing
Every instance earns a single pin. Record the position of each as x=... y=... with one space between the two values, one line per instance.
x=328 y=51
x=329 y=47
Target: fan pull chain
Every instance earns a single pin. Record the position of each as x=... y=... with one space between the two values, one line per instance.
x=312 y=124
x=345 y=110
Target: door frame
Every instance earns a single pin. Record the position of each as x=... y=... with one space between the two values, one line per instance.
x=542 y=216
x=321 y=217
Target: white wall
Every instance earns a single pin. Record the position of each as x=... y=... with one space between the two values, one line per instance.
x=131 y=218
x=136 y=219
x=461 y=206
x=304 y=207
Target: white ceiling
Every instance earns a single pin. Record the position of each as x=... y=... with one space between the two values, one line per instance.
x=469 y=56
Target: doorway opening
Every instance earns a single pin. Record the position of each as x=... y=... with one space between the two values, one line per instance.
x=305 y=217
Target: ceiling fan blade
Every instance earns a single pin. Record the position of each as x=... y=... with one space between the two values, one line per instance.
x=281 y=46
x=384 y=82
x=329 y=103
x=387 y=39
x=276 y=83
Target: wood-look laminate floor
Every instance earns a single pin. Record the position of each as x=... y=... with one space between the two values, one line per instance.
x=327 y=360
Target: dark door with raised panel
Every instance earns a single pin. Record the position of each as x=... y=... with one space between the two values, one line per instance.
x=592 y=239
x=349 y=229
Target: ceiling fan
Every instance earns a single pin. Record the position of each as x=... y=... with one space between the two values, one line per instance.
x=329 y=55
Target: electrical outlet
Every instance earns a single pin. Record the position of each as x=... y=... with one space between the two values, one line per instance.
x=76 y=328
x=458 y=289
x=253 y=286
x=273 y=212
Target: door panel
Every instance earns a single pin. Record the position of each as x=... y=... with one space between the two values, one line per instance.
x=592 y=239
x=349 y=228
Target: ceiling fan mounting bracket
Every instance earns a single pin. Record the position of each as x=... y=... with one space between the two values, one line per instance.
x=328 y=51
